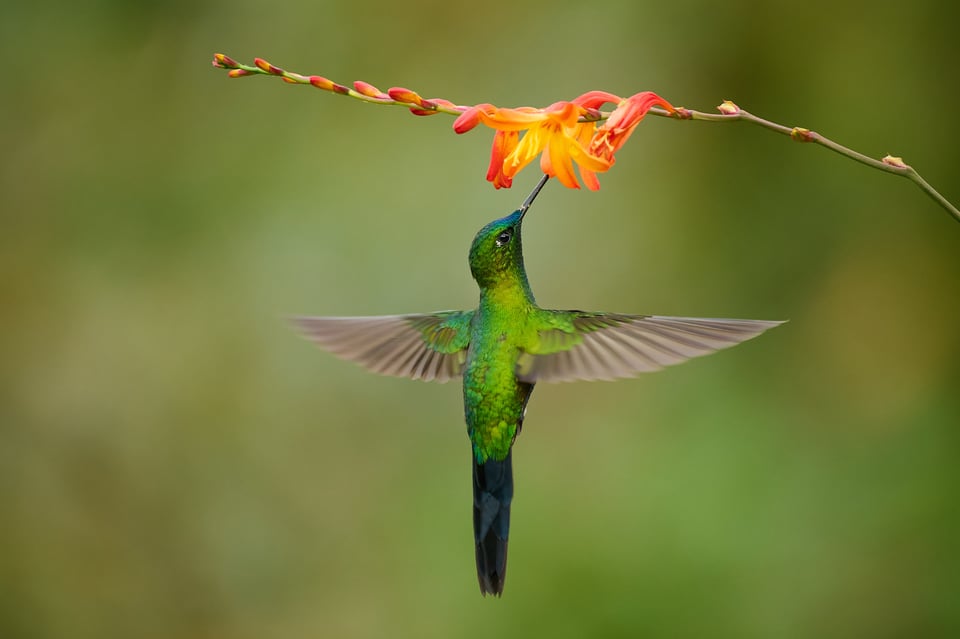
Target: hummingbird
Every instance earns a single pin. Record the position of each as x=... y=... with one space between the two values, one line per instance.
x=504 y=347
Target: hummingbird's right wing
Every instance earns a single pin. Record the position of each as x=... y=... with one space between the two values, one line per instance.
x=594 y=346
x=430 y=346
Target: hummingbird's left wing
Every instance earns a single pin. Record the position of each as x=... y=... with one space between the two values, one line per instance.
x=429 y=346
x=595 y=346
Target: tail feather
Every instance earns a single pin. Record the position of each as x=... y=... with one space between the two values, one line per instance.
x=492 y=494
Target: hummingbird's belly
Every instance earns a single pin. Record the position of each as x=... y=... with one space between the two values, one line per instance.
x=493 y=401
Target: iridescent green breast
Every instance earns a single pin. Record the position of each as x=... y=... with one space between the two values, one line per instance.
x=493 y=397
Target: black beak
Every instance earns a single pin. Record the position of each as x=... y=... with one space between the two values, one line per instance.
x=533 y=195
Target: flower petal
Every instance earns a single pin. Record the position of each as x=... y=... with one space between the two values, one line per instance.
x=596 y=99
x=511 y=119
x=504 y=142
x=589 y=179
x=560 y=164
x=588 y=161
x=530 y=146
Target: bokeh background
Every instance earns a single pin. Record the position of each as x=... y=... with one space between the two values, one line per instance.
x=176 y=462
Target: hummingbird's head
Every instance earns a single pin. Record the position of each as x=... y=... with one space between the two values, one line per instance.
x=496 y=254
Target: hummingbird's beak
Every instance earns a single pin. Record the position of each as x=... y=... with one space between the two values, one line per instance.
x=533 y=195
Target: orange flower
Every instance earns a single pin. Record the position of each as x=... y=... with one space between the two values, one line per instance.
x=621 y=123
x=562 y=134
x=555 y=133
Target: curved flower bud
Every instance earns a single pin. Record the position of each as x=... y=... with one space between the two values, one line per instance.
x=469 y=118
x=367 y=89
x=265 y=66
x=321 y=82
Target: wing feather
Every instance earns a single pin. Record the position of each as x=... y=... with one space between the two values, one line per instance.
x=429 y=347
x=606 y=346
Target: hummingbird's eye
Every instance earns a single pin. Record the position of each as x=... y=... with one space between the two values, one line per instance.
x=504 y=238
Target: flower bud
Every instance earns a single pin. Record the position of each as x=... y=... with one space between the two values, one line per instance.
x=728 y=108
x=266 y=66
x=894 y=161
x=321 y=82
x=224 y=61
x=405 y=95
x=367 y=89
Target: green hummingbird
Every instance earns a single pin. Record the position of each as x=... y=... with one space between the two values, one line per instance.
x=501 y=349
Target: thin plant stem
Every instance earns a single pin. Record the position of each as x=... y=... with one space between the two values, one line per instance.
x=729 y=112
x=888 y=164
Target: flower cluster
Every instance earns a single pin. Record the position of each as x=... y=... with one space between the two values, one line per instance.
x=566 y=133
x=563 y=134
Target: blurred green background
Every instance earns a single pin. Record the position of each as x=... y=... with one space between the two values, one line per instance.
x=176 y=462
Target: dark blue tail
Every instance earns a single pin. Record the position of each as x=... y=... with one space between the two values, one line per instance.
x=492 y=494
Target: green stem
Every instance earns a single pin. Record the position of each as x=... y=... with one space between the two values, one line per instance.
x=296 y=78
x=804 y=135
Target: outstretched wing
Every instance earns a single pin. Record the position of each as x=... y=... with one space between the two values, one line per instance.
x=594 y=346
x=430 y=347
